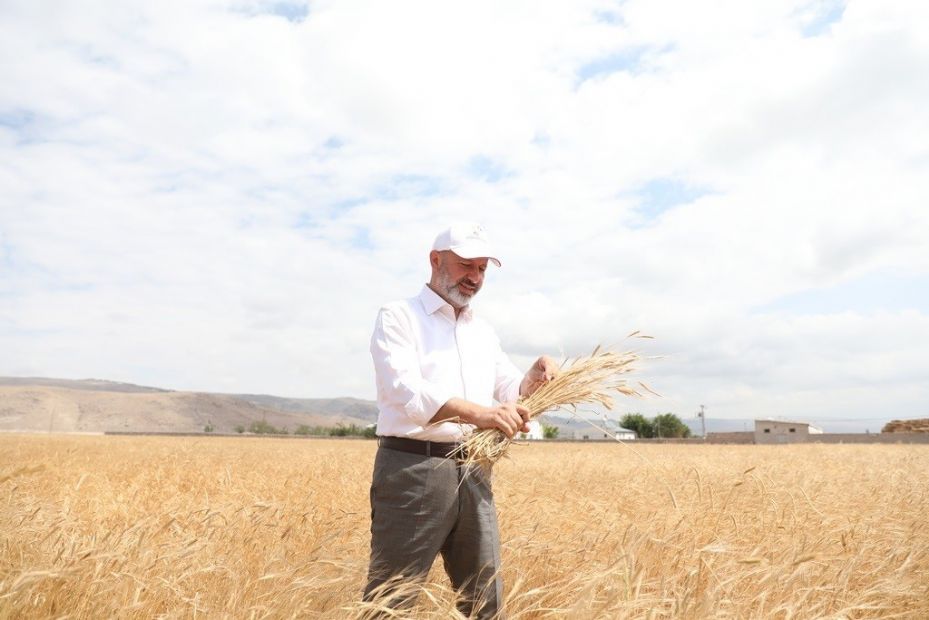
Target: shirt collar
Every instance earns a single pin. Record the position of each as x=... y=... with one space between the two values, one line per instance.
x=432 y=303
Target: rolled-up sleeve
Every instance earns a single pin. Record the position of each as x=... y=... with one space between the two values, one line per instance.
x=400 y=383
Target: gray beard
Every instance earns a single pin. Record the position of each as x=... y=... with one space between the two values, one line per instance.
x=451 y=291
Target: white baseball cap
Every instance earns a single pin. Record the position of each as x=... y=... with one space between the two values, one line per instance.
x=467 y=240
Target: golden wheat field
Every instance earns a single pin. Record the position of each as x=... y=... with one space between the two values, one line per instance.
x=146 y=527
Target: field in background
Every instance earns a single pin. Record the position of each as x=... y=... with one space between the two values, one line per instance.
x=139 y=527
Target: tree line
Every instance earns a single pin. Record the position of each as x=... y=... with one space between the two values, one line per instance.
x=261 y=427
x=663 y=425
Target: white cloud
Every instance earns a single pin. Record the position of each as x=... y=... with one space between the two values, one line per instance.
x=219 y=196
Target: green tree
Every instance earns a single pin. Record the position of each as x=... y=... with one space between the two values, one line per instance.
x=637 y=422
x=669 y=425
x=239 y=428
x=208 y=428
x=549 y=431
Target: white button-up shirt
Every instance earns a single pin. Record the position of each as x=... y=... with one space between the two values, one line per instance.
x=424 y=356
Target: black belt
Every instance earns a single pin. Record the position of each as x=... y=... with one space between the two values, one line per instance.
x=416 y=446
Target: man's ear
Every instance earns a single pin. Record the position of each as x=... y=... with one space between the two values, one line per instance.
x=434 y=259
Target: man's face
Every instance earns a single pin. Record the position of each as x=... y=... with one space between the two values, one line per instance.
x=458 y=279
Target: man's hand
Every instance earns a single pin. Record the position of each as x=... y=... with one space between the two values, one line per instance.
x=544 y=370
x=508 y=417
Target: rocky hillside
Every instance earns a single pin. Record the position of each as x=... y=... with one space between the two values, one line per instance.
x=91 y=385
x=41 y=404
x=351 y=407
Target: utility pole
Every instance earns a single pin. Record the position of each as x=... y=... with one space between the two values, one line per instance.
x=702 y=415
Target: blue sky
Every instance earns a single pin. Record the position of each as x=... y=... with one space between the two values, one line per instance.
x=821 y=16
x=659 y=195
x=628 y=60
x=219 y=195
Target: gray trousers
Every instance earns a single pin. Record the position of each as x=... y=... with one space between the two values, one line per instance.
x=422 y=506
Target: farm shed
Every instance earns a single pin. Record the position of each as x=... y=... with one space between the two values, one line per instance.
x=783 y=431
x=621 y=434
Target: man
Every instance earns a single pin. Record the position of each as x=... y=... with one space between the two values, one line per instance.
x=440 y=374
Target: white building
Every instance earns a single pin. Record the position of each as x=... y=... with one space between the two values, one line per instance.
x=783 y=431
x=535 y=431
x=621 y=434
x=624 y=434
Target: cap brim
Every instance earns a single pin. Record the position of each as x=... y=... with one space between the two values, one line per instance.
x=472 y=252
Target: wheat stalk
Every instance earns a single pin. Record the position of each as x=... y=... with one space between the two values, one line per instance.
x=586 y=380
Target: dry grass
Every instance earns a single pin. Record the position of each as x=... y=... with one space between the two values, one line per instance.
x=591 y=380
x=98 y=527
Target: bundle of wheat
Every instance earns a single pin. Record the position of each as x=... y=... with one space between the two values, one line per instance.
x=587 y=380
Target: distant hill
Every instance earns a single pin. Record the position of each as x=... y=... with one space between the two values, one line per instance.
x=64 y=405
x=95 y=405
x=352 y=407
x=93 y=385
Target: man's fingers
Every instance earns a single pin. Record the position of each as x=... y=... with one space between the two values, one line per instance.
x=508 y=428
x=545 y=369
x=508 y=420
x=549 y=367
x=518 y=420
